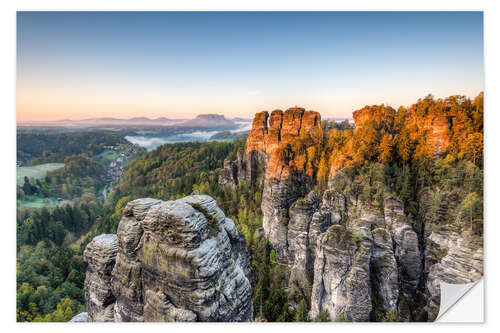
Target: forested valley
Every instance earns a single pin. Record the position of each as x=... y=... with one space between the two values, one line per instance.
x=388 y=155
x=55 y=210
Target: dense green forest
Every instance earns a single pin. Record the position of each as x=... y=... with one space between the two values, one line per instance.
x=49 y=283
x=57 y=224
x=38 y=148
x=79 y=175
x=50 y=269
x=170 y=172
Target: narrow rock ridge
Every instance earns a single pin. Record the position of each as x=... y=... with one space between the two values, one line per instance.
x=179 y=260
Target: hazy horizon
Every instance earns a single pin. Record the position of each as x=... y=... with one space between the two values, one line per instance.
x=180 y=64
x=249 y=118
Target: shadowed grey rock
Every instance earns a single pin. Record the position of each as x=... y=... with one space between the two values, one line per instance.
x=342 y=275
x=80 y=318
x=384 y=270
x=100 y=255
x=406 y=251
x=451 y=259
x=299 y=249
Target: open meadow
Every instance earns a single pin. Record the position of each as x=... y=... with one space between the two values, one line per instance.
x=36 y=171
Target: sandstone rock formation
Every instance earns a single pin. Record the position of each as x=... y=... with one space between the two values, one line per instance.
x=269 y=133
x=301 y=214
x=229 y=174
x=179 y=260
x=100 y=255
x=283 y=181
x=342 y=275
x=357 y=260
x=407 y=250
x=356 y=264
x=449 y=258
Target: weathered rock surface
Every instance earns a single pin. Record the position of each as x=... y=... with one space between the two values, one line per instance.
x=80 y=318
x=449 y=258
x=365 y=259
x=285 y=181
x=229 y=174
x=179 y=260
x=100 y=255
x=301 y=213
x=256 y=136
x=384 y=270
x=354 y=268
x=277 y=197
x=342 y=275
x=407 y=250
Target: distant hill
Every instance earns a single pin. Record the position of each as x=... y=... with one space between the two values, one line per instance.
x=244 y=120
x=202 y=120
x=107 y=121
x=209 y=120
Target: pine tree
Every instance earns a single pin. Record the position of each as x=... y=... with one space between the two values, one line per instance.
x=302 y=312
x=404 y=146
x=385 y=149
x=323 y=170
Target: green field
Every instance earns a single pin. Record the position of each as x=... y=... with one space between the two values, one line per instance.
x=40 y=202
x=107 y=156
x=37 y=171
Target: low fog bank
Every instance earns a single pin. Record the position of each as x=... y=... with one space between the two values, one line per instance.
x=153 y=142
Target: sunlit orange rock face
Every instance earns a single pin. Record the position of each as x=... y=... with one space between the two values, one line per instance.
x=361 y=116
x=311 y=119
x=440 y=134
x=273 y=137
x=437 y=125
x=256 y=136
x=292 y=121
x=376 y=114
x=270 y=134
x=338 y=163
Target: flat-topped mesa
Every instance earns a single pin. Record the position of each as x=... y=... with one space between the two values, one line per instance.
x=179 y=260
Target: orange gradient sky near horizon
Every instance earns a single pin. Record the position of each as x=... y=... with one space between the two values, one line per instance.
x=77 y=65
x=40 y=105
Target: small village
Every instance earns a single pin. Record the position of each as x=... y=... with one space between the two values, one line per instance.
x=116 y=167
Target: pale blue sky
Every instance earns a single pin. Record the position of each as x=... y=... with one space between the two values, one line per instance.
x=75 y=65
